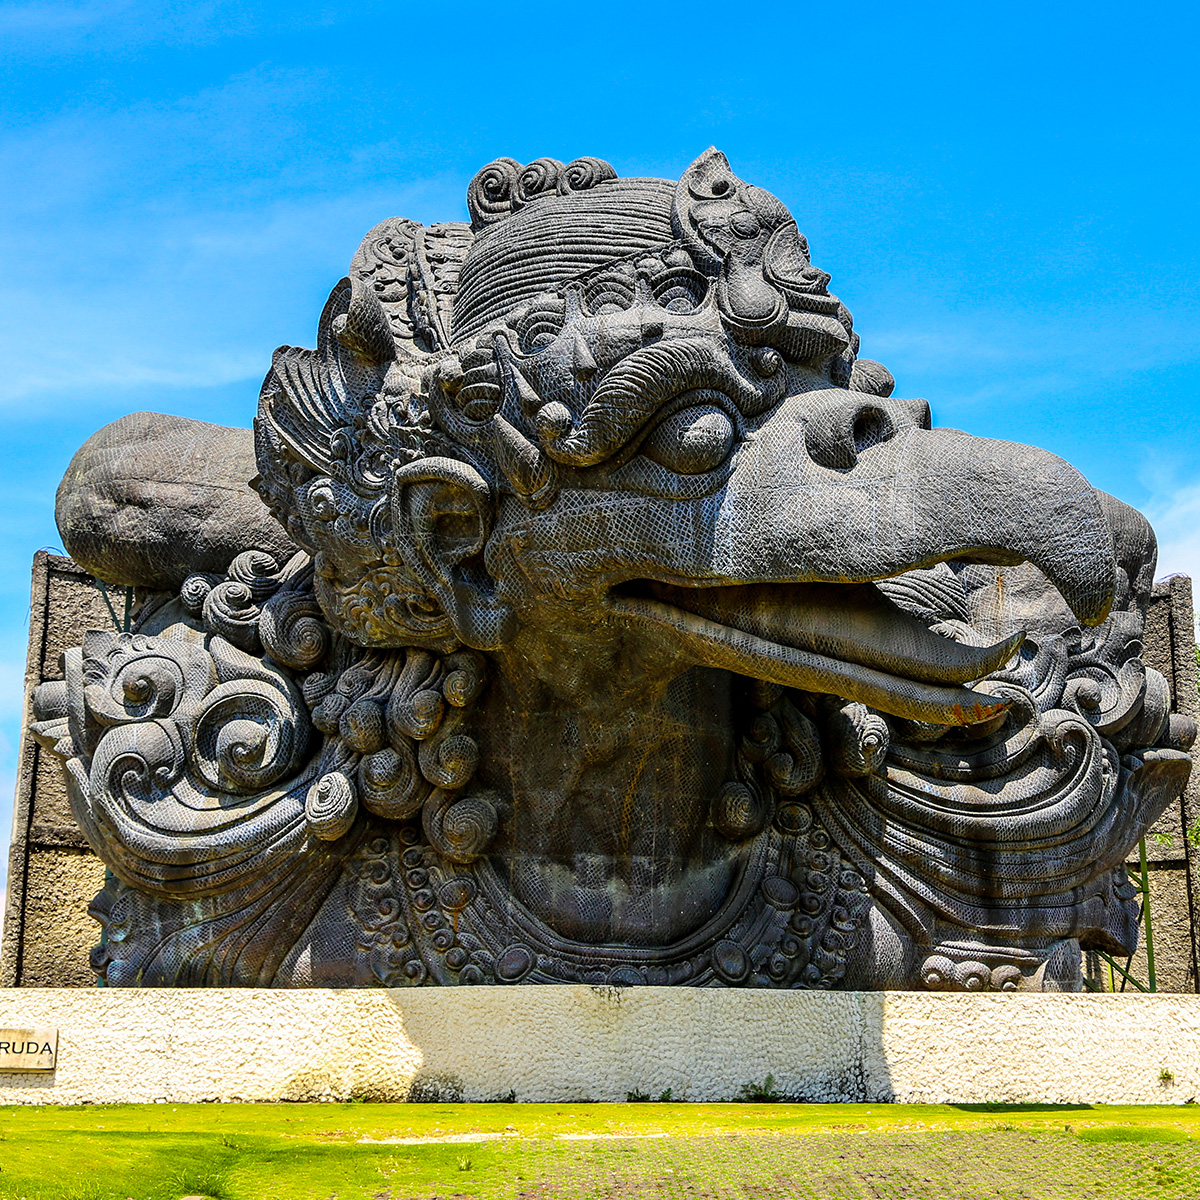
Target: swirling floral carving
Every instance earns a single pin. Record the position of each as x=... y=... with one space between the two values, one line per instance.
x=584 y=173
x=132 y=677
x=258 y=571
x=195 y=591
x=466 y=675
x=134 y=762
x=390 y=784
x=460 y=829
x=361 y=726
x=537 y=179
x=858 y=739
x=504 y=186
x=448 y=760
x=1106 y=677
x=740 y=812
x=149 y=686
x=800 y=764
x=248 y=734
x=230 y=610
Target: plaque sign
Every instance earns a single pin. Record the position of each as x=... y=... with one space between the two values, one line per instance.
x=28 y=1049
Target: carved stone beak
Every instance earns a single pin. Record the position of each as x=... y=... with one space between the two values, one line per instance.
x=913 y=499
x=755 y=595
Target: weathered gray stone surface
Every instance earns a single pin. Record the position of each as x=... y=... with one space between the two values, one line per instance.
x=637 y=634
x=54 y=873
x=150 y=499
x=1173 y=855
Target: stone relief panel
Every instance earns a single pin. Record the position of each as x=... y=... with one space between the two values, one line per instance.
x=618 y=626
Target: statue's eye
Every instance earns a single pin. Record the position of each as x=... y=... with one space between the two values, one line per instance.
x=541 y=325
x=609 y=293
x=691 y=441
x=680 y=290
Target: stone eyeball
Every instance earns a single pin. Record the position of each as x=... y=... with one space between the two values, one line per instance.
x=691 y=441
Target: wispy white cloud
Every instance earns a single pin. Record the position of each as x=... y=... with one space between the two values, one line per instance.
x=1176 y=519
x=190 y=284
x=59 y=19
x=125 y=26
x=1047 y=351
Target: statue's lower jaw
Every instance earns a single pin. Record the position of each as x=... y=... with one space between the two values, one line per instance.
x=775 y=633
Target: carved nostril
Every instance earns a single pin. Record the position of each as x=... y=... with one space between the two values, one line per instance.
x=871 y=427
x=837 y=431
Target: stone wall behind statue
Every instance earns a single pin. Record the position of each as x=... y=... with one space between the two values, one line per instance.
x=1173 y=860
x=53 y=873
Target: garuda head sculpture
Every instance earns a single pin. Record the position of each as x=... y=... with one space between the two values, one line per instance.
x=626 y=629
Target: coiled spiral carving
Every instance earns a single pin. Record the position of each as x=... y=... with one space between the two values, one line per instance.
x=858 y=739
x=331 y=806
x=230 y=610
x=390 y=785
x=504 y=186
x=460 y=830
x=537 y=179
x=800 y=764
x=195 y=591
x=740 y=812
x=248 y=734
x=150 y=685
x=490 y=194
x=133 y=762
x=396 y=726
x=292 y=630
x=583 y=173
x=258 y=571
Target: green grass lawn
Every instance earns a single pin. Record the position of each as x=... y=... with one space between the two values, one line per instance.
x=544 y=1151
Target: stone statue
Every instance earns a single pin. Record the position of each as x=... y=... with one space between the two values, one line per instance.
x=605 y=619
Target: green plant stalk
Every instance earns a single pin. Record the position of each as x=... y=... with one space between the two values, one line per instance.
x=1146 y=917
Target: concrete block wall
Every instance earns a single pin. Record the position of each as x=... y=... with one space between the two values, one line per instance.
x=556 y=1044
x=52 y=872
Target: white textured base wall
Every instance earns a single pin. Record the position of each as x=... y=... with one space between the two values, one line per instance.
x=581 y=1043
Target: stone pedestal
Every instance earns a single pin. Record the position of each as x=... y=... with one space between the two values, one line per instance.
x=574 y=1043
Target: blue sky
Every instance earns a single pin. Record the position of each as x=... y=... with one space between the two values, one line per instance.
x=1004 y=194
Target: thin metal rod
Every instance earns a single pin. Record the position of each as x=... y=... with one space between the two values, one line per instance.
x=112 y=612
x=1125 y=976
